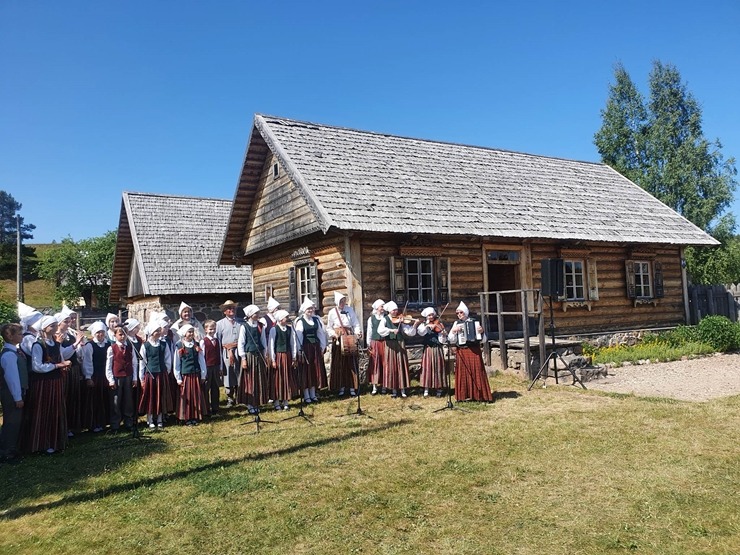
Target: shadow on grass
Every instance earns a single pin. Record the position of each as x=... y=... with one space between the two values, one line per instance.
x=17 y=512
x=499 y=395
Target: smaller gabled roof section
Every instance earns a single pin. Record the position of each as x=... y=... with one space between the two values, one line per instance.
x=175 y=241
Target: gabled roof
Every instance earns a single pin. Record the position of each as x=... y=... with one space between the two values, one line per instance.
x=364 y=181
x=174 y=241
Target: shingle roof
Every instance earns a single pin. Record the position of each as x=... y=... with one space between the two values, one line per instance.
x=176 y=241
x=364 y=181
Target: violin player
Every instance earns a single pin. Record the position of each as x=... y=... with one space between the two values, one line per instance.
x=433 y=374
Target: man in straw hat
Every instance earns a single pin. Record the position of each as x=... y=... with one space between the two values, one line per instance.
x=227 y=333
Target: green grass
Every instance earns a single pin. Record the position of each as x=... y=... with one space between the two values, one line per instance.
x=656 y=351
x=551 y=471
x=37 y=293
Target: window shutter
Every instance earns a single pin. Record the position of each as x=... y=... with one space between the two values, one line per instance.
x=629 y=267
x=294 y=304
x=314 y=286
x=658 y=279
x=593 y=282
x=443 y=280
x=398 y=280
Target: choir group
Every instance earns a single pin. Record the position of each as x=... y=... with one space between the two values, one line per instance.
x=55 y=382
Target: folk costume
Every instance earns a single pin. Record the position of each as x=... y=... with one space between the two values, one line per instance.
x=376 y=346
x=252 y=345
x=212 y=388
x=269 y=320
x=190 y=372
x=433 y=371
x=283 y=351
x=395 y=359
x=155 y=366
x=96 y=399
x=11 y=396
x=119 y=370
x=44 y=425
x=73 y=385
x=471 y=380
x=227 y=332
x=185 y=312
x=112 y=321
x=311 y=342
x=342 y=321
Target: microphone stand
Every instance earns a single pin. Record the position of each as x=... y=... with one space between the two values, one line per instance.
x=301 y=385
x=135 y=428
x=449 y=405
x=257 y=418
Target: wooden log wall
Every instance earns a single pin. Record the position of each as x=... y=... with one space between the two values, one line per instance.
x=614 y=310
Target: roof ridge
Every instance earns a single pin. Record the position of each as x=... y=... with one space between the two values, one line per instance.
x=423 y=140
x=166 y=195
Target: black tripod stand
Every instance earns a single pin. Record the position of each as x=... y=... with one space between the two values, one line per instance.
x=449 y=405
x=554 y=355
x=358 y=389
x=258 y=420
x=301 y=387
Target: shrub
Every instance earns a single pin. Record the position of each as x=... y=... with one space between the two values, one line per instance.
x=681 y=335
x=719 y=332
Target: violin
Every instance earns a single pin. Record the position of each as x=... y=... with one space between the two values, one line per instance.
x=436 y=326
x=403 y=319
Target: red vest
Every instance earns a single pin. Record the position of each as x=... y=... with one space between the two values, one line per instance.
x=212 y=352
x=122 y=367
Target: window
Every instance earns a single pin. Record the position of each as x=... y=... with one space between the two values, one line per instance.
x=575 y=283
x=644 y=279
x=303 y=281
x=420 y=281
x=275 y=170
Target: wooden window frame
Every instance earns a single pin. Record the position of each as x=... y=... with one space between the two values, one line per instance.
x=650 y=269
x=440 y=280
x=298 y=282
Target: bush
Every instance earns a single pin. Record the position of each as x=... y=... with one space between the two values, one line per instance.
x=719 y=332
x=681 y=336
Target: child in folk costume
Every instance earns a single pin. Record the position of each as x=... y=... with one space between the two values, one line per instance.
x=433 y=371
x=155 y=366
x=471 y=380
x=212 y=352
x=283 y=351
x=11 y=394
x=190 y=372
x=73 y=382
x=227 y=332
x=311 y=342
x=28 y=316
x=251 y=346
x=186 y=317
x=342 y=321
x=45 y=418
x=112 y=321
x=120 y=366
x=396 y=360
x=270 y=319
x=96 y=400
x=376 y=346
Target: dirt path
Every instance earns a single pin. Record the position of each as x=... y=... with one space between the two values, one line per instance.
x=699 y=379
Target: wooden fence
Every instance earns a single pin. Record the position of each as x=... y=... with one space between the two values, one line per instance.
x=708 y=300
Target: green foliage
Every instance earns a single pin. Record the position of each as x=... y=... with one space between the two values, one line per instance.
x=660 y=145
x=81 y=269
x=681 y=336
x=9 y=207
x=7 y=313
x=719 y=332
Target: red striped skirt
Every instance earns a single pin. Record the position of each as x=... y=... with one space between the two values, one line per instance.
x=342 y=374
x=174 y=390
x=311 y=367
x=254 y=385
x=433 y=372
x=283 y=378
x=192 y=404
x=395 y=365
x=45 y=416
x=155 y=394
x=471 y=381
x=375 y=366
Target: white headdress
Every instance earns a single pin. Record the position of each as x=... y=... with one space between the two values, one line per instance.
x=60 y=317
x=44 y=322
x=251 y=310
x=272 y=304
x=338 y=297
x=184 y=329
x=95 y=327
x=131 y=324
x=307 y=303
x=428 y=311
x=377 y=304
x=280 y=314
x=66 y=310
x=183 y=306
x=152 y=326
x=390 y=306
x=109 y=317
x=462 y=307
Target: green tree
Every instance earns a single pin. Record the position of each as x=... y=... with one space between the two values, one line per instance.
x=81 y=269
x=660 y=145
x=9 y=207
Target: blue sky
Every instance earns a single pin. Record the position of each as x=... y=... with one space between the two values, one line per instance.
x=100 y=97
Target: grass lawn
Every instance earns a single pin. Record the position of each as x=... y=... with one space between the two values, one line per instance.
x=37 y=293
x=551 y=471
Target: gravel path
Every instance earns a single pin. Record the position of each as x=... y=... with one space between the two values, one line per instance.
x=698 y=379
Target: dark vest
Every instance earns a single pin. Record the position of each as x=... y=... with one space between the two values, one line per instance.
x=374 y=323
x=212 y=351
x=156 y=357
x=66 y=343
x=389 y=324
x=252 y=343
x=431 y=339
x=282 y=339
x=188 y=360
x=99 y=358
x=122 y=365
x=51 y=355
x=310 y=331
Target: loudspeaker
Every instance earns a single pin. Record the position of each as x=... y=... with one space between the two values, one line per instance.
x=552 y=277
